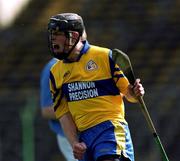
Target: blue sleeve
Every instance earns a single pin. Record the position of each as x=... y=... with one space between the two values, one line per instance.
x=45 y=94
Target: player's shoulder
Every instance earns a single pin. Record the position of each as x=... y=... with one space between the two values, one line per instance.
x=55 y=64
x=99 y=48
x=99 y=51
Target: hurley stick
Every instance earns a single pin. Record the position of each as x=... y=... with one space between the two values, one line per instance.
x=124 y=63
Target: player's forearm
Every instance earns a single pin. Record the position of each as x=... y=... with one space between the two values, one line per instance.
x=69 y=128
x=130 y=96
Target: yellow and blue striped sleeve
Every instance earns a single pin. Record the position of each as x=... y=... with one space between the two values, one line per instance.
x=60 y=104
x=118 y=76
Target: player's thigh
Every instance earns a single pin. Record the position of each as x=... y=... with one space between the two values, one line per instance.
x=113 y=144
x=109 y=144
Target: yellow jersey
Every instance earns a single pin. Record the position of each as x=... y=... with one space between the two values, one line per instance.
x=90 y=89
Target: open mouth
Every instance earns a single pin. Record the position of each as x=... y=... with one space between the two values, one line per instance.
x=56 y=46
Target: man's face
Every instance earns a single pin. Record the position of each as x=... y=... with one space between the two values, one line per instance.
x=62 y=43
x=58 y=40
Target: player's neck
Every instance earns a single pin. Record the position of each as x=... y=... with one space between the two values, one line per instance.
x=76 y=52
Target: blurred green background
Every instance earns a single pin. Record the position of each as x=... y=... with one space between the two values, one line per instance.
x=148 y=31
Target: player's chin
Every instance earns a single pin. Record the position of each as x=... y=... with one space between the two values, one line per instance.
x=58 y=54
x=58 y=51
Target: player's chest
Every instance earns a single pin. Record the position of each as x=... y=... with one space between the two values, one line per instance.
x=90 y=69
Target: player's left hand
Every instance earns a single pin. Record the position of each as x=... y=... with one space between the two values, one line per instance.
x=138 y=89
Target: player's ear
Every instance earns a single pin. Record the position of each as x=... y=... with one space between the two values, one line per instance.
x=73 y=37
x=75 y=34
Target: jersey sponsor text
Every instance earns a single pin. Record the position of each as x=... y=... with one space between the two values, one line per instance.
x=82 y=90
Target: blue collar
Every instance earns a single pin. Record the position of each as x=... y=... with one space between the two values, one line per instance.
x=85 y=47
